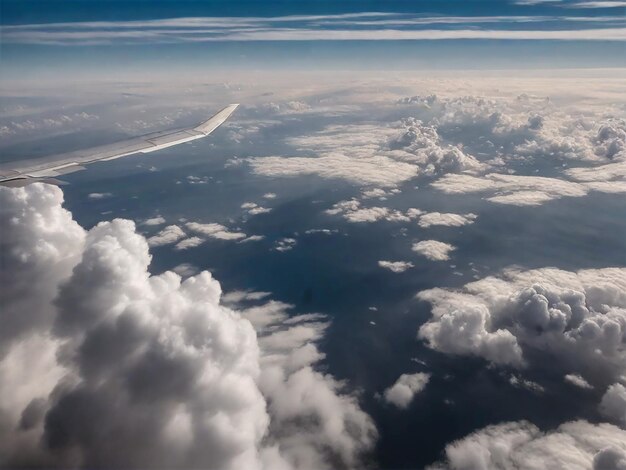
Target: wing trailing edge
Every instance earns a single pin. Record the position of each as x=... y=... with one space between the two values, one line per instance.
x=46 y=169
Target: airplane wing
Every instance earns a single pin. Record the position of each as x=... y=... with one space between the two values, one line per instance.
x=46 y=169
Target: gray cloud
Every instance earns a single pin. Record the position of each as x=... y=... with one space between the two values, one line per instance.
x=613 y=404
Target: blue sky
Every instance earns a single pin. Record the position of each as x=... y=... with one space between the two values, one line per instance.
x=40 y=35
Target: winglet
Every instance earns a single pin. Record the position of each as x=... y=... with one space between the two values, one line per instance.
x=209 y=126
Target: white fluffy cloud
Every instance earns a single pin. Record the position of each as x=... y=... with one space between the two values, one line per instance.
x=190 y=242
x=577 y=445
x=128 y=369
x=296 y=392
x=213 y=230
x=523 y=130
x=158 y=220
x=512 y=189
x=578 y=319
x=254 y=209
x=447 y=220
x=434 y=250
x=468 y=143
x=33 y=262
x=396 y=266
x=353 y=212
x=170 y=234
x=402 y=392
x=421 y=144
x=285 y=244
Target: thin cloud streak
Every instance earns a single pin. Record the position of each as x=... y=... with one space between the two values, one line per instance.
x=349 y=27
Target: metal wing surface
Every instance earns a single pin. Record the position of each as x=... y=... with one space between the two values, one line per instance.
x=48 y=168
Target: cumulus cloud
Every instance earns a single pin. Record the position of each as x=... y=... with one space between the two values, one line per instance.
x=422 y=144
x=353 y=212
x=383 y=155
x=33 y=262
x=254 y=209
x=511 y=189
x=516 y=131
x=185 y=270
x=158 y=220
x=191 y=179
x=520 y=382
x=575 y=139
x=324 y=231
x=252 y=238
x=402 y=392
x=213 y=230
x=307 y=409
x=285 y=244
x=574 y=445
x=190 y=242
x=170 y=234
x=375 y=193
x=613 y=404
x=578 y=319
x=447 y=220
x=395 y=266
x=99 y=195
x=578 y=381
x=433 y=249
x=122 y=368
x=464 y=141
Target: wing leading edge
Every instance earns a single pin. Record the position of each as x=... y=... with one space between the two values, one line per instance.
x=47 y=169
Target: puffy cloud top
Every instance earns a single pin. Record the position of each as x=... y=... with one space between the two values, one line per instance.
x=577 y=318
x=134 y=370
x=402 y=392
x=576 y=445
